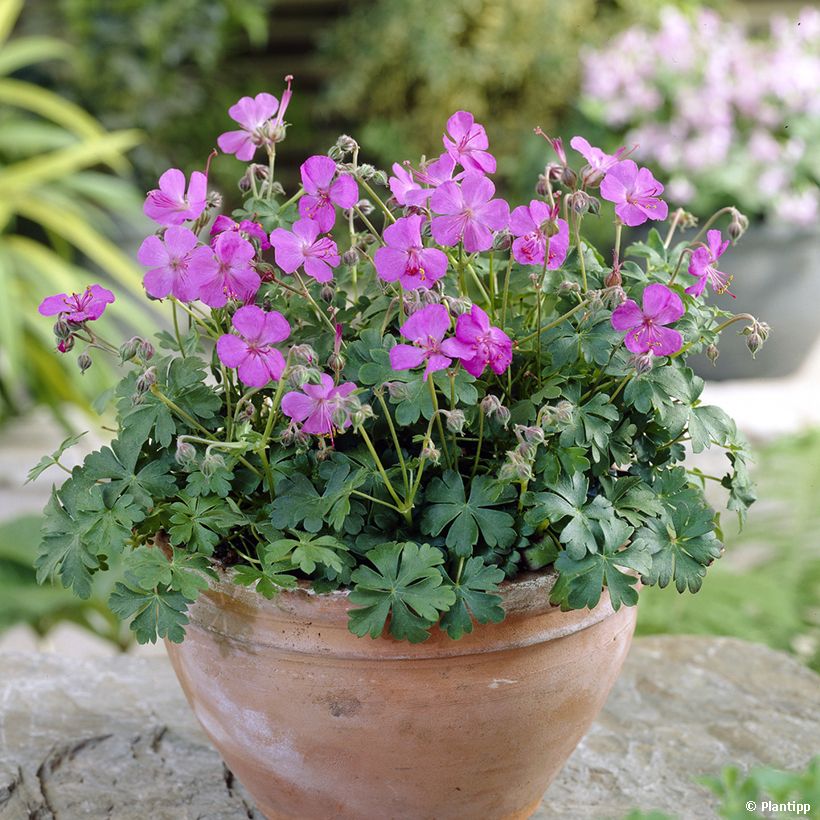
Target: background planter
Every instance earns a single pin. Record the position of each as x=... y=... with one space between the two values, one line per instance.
x=318 y=723
x=777 y=279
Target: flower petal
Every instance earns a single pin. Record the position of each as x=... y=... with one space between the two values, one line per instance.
x=661 y=304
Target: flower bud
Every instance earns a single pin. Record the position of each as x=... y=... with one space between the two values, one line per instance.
x=340 y=417
x=502 y=241
x=613 y=278
x=185 y=454
x=366 y=172
x=712 y=353
x=492 y=408
x=563 y=411
x=327 y=292
x=211 y=463
x=64 y=345
x=431 y=453
x=145 y=350
x=738 y=225
x=614 y=296
x=542 y=186
x=62 y=329
x=129 y=349
x=566 y=287
x=515 y=467
x=344 y=145
x=365 y=206
x=303 y=354
x=398 y=391
x=579 y=202
x=336 y=362
x=300 y=374
x=532 y=435
x=454 y=421
x=568 y=177
x=642 y=363
x=361 y=414
x=351 y=257
x=457 y=306
x=214 y=200
x=756 y=334
x=146 y=381
x=84 y=361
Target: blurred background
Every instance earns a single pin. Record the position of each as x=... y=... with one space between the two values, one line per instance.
x=97 y=99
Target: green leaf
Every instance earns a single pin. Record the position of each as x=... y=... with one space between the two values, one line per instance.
x=106 y=519
x=474 y=598
x=581 y=582
x=200 y=523
x=159 y=613
x=591 y=425
x=148 y=567
x=467 y=518
x=217 y=481
x=633 y=499
x=117 y=466
x=268 y=582
x=569 y=501
x=682 y=544
x=306 y=551
x=405 y=585
x=47 y=461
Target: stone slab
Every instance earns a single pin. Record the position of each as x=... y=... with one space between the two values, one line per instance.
x=114 y=738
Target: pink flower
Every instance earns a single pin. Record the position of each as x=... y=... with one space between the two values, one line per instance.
x=246 y=228
x=635 y=193
x=478 y=344
x=228 y=272
x=598 y=162
x=466 y=142
x=702 y=265
x=405 y=184
x=252 y=113
x=252 y=351
x=530 y=224
x=322 y=192
x=78 y=307
x=470 y=213
x=406 y=259
x=316 y=404
x=645 y=328
x=169 y=260
x=425 y=328
x=302 y=247
x=170 y=205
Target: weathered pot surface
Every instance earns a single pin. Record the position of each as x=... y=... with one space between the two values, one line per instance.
x=318 y=723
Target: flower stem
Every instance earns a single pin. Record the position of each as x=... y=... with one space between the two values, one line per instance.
x=581 y=260
x=620 y=387
x=176 y=328
x=437 y=417
x=306 y=293
x=555 y=322
x=369 y=224
x=506 y=292
x=480 y=442
x=373 y=195
x=295 y=198
x=405 y=510
x=394 y=435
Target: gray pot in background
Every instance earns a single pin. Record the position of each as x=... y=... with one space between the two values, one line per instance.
x=776 y=273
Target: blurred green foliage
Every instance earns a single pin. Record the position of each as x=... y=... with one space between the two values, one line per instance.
x=514 y=64
x=59 y=210
x=22 y=600
x=166 y=67
x=766 y=588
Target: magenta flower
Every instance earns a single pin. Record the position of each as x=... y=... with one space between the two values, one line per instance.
x=530 y=223
x=426 y=329
x=405 y=183
x=252 y=113
x=78 y=307
x=170 y=204
x=252 y=352
x=703 y=266
x=169 y=260
x=246 y=228
x=598 y=161
x=466 y=142
x=635 y=193
x=405 y=258
x=478 y=344
x=470 y=213
x=322 y=191
x=645 y=331
x=302 y=247
x=316 y=404
x=227 y=272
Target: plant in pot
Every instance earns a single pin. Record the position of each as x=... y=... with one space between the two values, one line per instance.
x=390 y=487
x=736 y=125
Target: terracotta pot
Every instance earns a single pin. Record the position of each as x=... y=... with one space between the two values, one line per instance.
x=318 y=723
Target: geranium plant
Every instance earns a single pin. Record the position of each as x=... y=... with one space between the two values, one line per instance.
x=735 y=123
x=401 y=386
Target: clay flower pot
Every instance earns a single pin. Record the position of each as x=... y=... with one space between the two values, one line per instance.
x=318 y=723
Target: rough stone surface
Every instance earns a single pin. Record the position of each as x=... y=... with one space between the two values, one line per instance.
x=113 y=738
